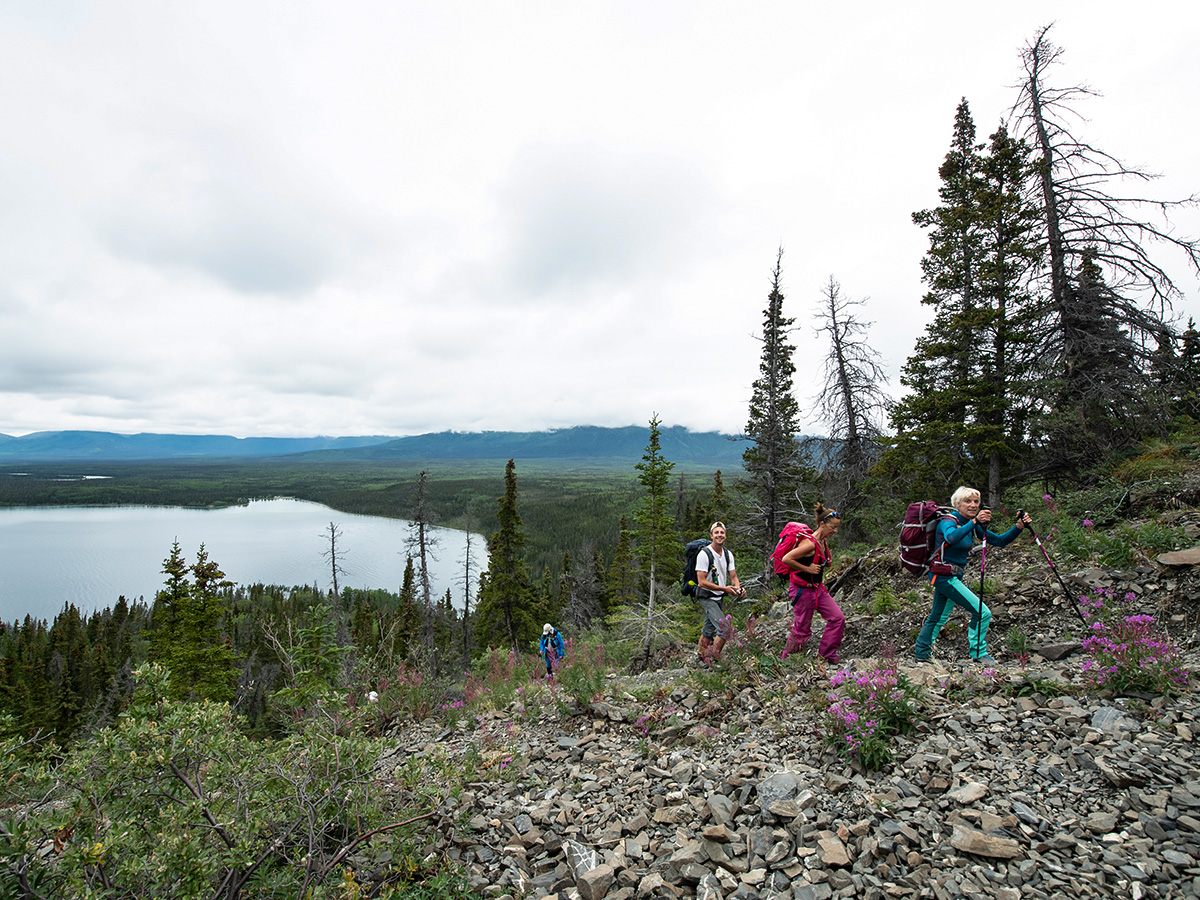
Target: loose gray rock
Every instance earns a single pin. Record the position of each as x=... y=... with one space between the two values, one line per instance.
x=1055 y=652
x=969 y=793
x=968 y=840
x=777 y=788
x=1112 y=721
x=594 y=884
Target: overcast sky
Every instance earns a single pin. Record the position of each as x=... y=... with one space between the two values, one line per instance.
x=299 y=218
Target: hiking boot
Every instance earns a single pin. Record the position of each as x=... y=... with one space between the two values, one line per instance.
x=986 y=661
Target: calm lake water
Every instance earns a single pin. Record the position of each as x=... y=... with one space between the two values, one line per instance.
x=51 y=556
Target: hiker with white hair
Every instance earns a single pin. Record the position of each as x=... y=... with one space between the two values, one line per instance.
x=552 y=648
x=956 y=531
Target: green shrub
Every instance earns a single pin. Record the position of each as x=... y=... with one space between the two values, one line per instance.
x=884 y=600
x=1016 y=641
x=174 y=801
x=583 y=673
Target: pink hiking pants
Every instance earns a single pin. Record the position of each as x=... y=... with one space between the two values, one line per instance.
x=810 y=600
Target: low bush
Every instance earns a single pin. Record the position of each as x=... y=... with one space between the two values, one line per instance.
x=175 y=801
x=583 y=672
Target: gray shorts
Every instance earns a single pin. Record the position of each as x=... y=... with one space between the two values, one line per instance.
x=713 y=614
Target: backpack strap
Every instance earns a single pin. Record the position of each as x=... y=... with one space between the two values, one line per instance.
x=712 y=562
x=819 y=552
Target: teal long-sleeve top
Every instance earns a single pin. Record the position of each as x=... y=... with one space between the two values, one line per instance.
x=956 y=532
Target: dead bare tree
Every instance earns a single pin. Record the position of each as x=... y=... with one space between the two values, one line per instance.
x=1108 y=296
x=469 y=566
x=334 y=556
x=420 y=544
x=581 y=585
x=852 y=402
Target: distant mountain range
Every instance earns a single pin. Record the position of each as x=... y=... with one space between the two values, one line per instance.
x=54 y=446
x=582 y=443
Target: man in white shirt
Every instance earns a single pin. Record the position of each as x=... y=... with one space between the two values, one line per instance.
x=715 y=577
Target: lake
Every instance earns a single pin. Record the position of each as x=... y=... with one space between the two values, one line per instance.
x=89 y=556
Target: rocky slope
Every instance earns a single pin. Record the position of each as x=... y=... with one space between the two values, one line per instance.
x=1017 y=783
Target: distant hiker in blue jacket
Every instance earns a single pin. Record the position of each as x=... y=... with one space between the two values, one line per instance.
x=552 y=647
x=955 y=532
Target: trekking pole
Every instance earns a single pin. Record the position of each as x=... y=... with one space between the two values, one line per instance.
x=1054 y=569
x=982 y=561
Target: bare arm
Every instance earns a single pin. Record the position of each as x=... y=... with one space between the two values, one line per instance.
x=733 y=588
x=793 y=558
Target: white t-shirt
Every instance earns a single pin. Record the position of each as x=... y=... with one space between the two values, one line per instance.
x=721 y=566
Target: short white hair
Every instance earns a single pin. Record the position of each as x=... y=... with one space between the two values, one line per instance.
x=962 y=494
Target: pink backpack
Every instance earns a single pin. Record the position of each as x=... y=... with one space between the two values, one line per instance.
x=793 y=533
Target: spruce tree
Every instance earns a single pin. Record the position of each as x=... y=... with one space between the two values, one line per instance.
x=930 y=421
x=503 y=613
x=420 y=544
x=623 y=573
x=407 y=617
x=1098 y=245
x=773 y=465
x=1007 y=314
x=1101 y=393
x=1187 y=393
x=190 y=628
x=657 y=536
x=963 y=418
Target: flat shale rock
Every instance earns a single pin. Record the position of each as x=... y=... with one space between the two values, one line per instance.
x=1188 y=557
x=968 y=840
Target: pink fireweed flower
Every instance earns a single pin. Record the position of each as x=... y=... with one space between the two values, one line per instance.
x=1126 y=650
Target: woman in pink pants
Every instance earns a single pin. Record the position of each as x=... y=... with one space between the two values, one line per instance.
x=807 y=561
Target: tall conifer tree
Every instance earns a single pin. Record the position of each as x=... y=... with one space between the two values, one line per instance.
x=773 y=465
x=657 y=536
x=190 y=637
x=931 y=419
x=504 y=610
x=623 y=573
x=964 y=415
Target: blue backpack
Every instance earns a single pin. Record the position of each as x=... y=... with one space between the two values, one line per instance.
x=687 y=583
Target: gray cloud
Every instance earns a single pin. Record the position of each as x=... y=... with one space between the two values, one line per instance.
x=578 y=216
x=210 y=205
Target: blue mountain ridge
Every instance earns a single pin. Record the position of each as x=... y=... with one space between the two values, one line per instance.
x=62 y=446
x=584 y=442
